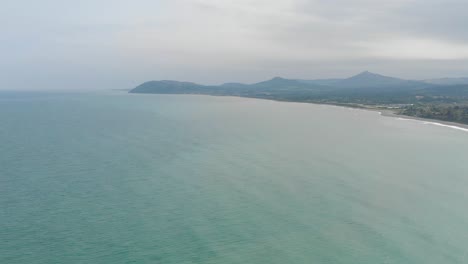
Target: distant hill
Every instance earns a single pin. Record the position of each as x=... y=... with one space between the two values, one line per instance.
x=366 y=80
x=364 y=88
x=167 y=87
x=282 y=83
x=326 y=82
x=376 y=81
x=364 y=84
x=233 y=84
x=417 y=98
x=276 y=85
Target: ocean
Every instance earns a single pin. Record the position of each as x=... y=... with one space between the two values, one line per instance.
x=112 y=177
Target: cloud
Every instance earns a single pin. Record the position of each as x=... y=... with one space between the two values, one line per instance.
x=409 y=48
x=238 y=40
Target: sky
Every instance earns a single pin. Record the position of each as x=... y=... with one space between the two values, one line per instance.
x=116 y=44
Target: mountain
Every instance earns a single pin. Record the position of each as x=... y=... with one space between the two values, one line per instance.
x=166 y=87
x=368 y=90
x=365 y=87
x=233 y=84
x=276 y=85
x=447 y=81
x=286 y=84
x=367 y=80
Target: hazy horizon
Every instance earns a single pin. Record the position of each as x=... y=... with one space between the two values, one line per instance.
x=54 y=45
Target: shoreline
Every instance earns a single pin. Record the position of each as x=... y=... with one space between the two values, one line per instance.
x=426 y=121
x=383 y=112
x=392 y=113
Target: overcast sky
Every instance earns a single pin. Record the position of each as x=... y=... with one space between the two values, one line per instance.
x=104 y=44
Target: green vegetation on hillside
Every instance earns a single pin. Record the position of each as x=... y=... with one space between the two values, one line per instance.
x=453 y=113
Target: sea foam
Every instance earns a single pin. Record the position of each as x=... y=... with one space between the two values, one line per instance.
x=434 y=124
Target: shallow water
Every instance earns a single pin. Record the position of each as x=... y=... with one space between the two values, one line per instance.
x=120 y=178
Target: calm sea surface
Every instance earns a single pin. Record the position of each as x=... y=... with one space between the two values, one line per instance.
x=120 y=178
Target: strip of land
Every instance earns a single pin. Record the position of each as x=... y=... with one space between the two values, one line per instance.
x=417 y=99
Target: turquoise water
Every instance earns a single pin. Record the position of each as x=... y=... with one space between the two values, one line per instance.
x=119 y=178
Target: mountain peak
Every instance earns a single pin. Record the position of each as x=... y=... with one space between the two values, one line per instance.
x=370 y=76
x=368 y=73
x=277 y=78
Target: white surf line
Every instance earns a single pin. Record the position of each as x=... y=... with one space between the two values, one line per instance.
x=444 y=125
x=432 y=123
x=408 y=119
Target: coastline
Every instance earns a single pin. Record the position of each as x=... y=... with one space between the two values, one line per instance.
x=427 y=121
x=382 y=111
x=393 y=114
